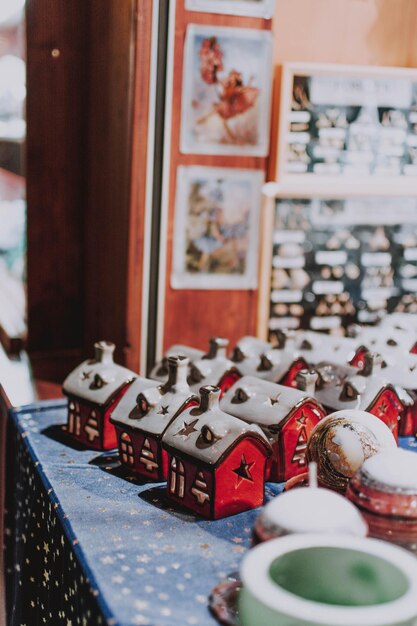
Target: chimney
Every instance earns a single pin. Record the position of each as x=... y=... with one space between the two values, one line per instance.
x=307 y=380
x=217 y=348
x=209 y=398
x=177 y=373
x=283 y=338
x=103 y=352
x=372 y=364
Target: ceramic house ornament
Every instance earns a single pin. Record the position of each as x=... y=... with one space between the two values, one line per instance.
x=144 y=414
x=160 y=370
x=342 y=441
x=286 y=416
x=385 y=490
x=94 y=389
x=248 y=347
x=309 y=510
x=216 y=462
x=327 y=580
x=277 y=365
x=214 y=368
x=341 y=388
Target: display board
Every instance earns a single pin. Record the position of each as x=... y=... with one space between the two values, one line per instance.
x=344 y=124
x=340 y=260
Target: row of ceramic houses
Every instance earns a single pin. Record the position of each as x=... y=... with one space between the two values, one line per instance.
x=216 y=428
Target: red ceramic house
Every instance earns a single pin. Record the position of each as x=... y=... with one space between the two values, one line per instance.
x=144 y=414
x=347 y=388
x=399 y=368
x=94 y=389
x=287 y=416
x=214 y=368
x=216 y=462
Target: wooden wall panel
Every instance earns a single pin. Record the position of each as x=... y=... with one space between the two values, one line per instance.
x=192 y=316
x=107 y=221
x=56 y=114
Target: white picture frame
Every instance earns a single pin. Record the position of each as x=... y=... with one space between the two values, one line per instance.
x=346 y=87
x=216 y=228
x=249 y=8
x=226 y=94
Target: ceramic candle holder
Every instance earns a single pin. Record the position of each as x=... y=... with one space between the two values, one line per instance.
x=385 y=490
x=309 y=510
x=342 y=441
x=313 y=580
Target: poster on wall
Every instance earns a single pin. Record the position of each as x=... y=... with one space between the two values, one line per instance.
x=339 y=121
x=216 y=228
x=254 y=8
x=338 y=261
x=227 y=78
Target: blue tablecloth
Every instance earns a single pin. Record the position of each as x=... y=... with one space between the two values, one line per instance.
x=88 y=544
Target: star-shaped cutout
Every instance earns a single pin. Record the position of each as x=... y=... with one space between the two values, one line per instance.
x=163 y=410
x=243 y=471
x=382 y=408
x=85 y=375
x=276 y=399
x=302 y=419
x=187 y=429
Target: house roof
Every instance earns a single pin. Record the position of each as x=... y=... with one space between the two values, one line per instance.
x=262 y=402
x=127 y=412
x=316 y=347
x=249 y=346
x=271 y=365
x=343 y=388
x=208 y=371
x=208 y=435
x=399 y=367
x=151 y=407
x=160 y=370
x=98 y=380
x=381 y=337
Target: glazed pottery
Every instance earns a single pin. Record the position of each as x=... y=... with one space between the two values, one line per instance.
x=313 y=580
x=342 y=441
x=385 y=490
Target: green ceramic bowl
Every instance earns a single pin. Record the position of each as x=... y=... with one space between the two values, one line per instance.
x=311 y=580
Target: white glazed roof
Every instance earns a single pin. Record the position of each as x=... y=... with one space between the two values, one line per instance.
x=367 y=388
x=252 y=346
x=264 y=403
x=82 y=381
x=127 y=404
x=176 y=350
x=380 y=337
x=210 y=371
x=280 y=360
x=316 y=347
x=227 y=431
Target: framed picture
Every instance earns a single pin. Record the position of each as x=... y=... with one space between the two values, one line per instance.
x=337 y=261
x=254 y=8
x=226 y=91
x=346 y=125
x=216 y=228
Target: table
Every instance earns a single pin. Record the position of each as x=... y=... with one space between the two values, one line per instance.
x=88 y=544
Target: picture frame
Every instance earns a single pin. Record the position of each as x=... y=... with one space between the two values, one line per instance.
x=226 y=94
x=333 y=260
x=216 y=228
x=249 y=8
x=347 y=129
